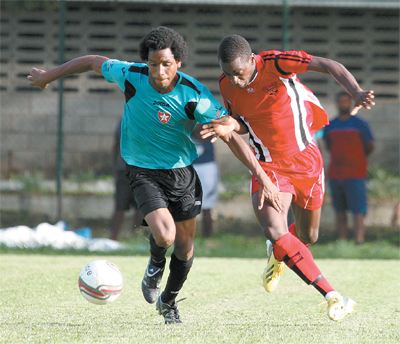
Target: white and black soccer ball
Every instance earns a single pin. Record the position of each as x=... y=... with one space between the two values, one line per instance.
x=101 y=282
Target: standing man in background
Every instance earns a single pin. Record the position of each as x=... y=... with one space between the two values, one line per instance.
x=123 y=199
x=208 y=172
x=350 y=142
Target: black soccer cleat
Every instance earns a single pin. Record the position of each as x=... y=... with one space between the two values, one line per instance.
x=151 y=282
x=170 y=313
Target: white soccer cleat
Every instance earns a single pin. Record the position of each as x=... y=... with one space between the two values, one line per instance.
x=339 y=307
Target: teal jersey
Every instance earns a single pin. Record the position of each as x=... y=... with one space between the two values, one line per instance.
x=156 y=128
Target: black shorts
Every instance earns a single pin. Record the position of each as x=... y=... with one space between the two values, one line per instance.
x=178 y=189
x=124 y=199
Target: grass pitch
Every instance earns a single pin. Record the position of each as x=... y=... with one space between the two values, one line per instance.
x=226 y=303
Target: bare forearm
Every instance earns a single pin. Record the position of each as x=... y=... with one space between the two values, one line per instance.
x=41 y=78
x=268 y=191
x=240 y=127
x=337 y=71
x=369 y=148
x=243 y=152
x=75 y=66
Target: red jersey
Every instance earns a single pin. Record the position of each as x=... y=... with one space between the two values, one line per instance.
x=281 y=113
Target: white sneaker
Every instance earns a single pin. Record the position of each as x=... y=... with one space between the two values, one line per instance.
x=339 y=307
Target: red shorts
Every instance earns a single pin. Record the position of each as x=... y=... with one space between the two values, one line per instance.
x=302 y=175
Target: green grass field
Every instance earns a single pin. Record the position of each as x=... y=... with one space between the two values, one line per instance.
x=226 y=303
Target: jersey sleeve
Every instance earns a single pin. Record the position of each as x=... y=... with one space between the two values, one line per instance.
x=208 y=108
x=115 y=71
x=291 y=62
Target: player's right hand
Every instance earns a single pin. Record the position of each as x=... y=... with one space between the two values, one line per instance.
x=36 y=78
x=219 y=128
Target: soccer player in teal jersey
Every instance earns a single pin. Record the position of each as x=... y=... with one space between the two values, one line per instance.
x=157 y=126
x=162 y=107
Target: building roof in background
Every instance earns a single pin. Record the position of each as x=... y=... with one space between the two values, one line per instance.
x=293 y=3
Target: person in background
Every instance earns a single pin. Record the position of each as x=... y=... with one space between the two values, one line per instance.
x=208 y=172
x=319 y=138
x=123 y=198
x=350 y=142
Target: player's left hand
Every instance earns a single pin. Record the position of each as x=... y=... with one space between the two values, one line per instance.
x=36 y=78
x=363 y=99
x=219 y=128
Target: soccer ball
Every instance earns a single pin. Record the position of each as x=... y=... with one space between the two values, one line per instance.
x=101 y=282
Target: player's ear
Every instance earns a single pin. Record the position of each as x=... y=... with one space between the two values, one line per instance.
x=179 y=64
x=252 y=58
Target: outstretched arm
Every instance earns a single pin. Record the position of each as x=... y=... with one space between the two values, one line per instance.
x=268 y=191
x=42 y=79
x=222 y=127
x=345 y=79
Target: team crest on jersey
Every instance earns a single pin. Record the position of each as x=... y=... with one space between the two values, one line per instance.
x=164 y=117
x=250 y=90
x=271 y=89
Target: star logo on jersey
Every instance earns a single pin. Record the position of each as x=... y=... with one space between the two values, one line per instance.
x=164 y=117
x=271 y=89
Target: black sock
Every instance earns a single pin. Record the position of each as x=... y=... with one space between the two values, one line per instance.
x=177 y=276
x=157 y=253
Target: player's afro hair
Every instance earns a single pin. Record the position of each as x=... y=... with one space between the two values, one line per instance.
x=233 y=47
x=162 y=38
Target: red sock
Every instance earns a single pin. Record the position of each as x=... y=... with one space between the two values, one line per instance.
x=299 y=259
x=292 y=229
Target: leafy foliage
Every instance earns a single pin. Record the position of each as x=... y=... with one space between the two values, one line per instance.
x=32 y=182
x=383 y=183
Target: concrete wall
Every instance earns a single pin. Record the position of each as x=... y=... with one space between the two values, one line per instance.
x=365 y=40
x=101 y=207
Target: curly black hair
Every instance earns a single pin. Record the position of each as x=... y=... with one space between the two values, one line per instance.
x=232 y=47
x=162 y=38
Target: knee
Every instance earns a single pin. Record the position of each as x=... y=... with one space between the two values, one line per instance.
x=274 y=233
x=184 y=249
x=310 y=237
x=165 y=239
x=184 y=255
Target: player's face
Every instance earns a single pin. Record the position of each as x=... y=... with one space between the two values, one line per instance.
x=240 y=73
x=163 y=68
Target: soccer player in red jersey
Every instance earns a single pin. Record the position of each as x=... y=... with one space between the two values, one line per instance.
x=265 y=99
